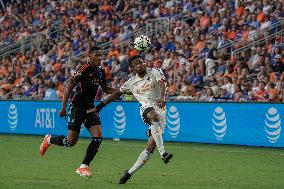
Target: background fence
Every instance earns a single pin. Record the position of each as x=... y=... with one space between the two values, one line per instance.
x=222 y=123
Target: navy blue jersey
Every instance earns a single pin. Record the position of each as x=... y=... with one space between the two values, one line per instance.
x=88 y=80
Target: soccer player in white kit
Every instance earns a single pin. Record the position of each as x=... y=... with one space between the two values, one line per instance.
x=148 y=85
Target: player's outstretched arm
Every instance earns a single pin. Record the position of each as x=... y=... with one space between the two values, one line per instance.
x=107 y=89
x=115 y=94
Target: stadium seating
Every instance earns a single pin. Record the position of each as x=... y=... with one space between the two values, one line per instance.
x=209 y=50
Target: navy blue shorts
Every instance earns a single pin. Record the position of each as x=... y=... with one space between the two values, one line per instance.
x=79 y=116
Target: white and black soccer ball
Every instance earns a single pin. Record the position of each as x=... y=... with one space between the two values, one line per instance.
x=142 y=43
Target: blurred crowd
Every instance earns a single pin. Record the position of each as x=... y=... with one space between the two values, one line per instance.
x=195 y=54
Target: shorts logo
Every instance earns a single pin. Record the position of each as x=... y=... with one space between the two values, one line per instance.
x=219 y=123
x=272 y=125
x=173 y=121
x=119 y=120
x=13 y=117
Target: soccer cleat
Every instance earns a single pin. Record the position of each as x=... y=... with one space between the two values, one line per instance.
x=166 y=157
x=84 y=172
x=125 y=177
x=44 y=145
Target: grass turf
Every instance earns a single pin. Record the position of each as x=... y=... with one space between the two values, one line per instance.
x=200 y=166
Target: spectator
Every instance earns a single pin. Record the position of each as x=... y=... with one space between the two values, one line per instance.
x=237 y=93
x=279 y=64
x=69 y=28
x=50 y=93
x=273 y=92
x=211 y=60
x=261 y=94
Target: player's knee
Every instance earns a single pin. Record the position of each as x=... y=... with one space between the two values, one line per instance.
x=96 y=131
x=151 y=148
x=99 y=135
x=153 y=116
x=151 y=145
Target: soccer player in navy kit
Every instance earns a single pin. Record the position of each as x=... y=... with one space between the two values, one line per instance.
x=88 y=78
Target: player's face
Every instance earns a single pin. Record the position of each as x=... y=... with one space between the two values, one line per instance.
x=139 y=66
x=96 y=58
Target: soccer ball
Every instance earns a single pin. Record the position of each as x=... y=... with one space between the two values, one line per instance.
x=142 y=43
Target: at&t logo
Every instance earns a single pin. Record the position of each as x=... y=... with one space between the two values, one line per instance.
x=173 y=121
x=272 y=125
x=219 y=123
x=119 y=120
x=13 y=117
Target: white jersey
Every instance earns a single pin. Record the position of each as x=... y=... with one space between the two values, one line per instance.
x=146 y=90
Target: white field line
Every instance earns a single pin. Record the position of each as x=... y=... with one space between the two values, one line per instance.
x=197 y=148
x=200 y=148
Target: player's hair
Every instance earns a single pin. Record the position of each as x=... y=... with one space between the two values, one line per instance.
x=94 y=49
x=134 y=58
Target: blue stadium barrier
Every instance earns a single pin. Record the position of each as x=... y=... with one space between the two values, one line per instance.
x=255 y=124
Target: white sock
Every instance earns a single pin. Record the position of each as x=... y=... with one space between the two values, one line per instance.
x=142 y=159
x=84 y=166
x=48 y=140
x=156 y=133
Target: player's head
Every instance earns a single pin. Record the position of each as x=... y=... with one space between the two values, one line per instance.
x=96 y=55
x=137 y=64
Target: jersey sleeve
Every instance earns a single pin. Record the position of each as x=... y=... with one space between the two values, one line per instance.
x=158 y=75
x=78 y=75
x=125 y=87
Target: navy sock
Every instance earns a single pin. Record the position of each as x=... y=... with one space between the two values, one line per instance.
x=92 y=150
x=60 y=141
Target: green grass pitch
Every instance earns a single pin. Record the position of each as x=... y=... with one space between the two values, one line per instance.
x=201 y=166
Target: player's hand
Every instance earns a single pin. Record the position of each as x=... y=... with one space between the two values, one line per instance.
x=62 y=112
x=161 y=103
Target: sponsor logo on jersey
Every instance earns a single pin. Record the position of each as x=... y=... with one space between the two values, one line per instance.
x=219 y=123
x=145 y=88
x=119 y=120
x=13 y=117
x=173 y=121
x=272 y=125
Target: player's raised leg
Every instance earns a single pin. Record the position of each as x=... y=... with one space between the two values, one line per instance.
x=156 y=132
x=142 y=159
x=66 y=141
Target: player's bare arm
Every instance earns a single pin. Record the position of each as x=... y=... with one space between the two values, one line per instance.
x=107 y=89
x=66 y=96
x=115 y=94
x=162 y=101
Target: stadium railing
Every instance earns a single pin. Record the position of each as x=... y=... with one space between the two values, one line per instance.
x=22 y=45
x=19 y=45
x=257 y=43
x=28 y=42
x=273 y=30
x=154 y=27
